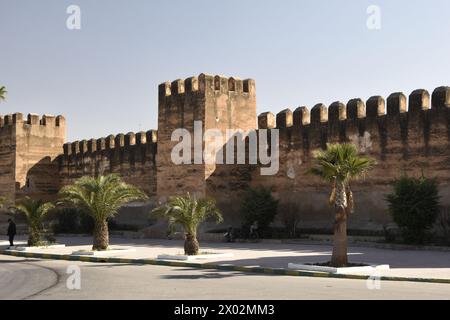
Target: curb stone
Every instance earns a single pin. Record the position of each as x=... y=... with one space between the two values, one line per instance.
x=224 y=267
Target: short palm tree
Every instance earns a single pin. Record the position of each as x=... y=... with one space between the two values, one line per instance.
x=3 y=93
x=189 y=212
x=101 y=197
x=34 y=211
x=338 y=165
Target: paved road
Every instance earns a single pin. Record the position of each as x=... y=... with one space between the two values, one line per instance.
x=20 y=279
x=404 y=263
x=43 y=279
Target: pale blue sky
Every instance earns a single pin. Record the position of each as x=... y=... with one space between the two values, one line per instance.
x=104 y=77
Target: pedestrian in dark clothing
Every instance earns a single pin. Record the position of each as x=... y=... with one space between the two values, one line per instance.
x=11 y=232
x=254 y=231
x=229 y=236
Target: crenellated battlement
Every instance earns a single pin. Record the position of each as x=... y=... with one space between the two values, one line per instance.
x=111 y=142
x=207 y=83
x=375 y=107
x=28 y=146
x=131 y=155
x=32 y=120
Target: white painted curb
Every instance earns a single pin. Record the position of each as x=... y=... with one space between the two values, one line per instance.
x=31 y=249
x=192 y=258
x=349 y=270
x=106 y=253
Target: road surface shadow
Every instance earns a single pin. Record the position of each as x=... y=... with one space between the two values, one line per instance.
x=204 y=274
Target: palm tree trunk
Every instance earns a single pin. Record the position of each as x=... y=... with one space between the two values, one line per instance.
x=101 y=235
x=33 y=237
x=350 y=201
x=191 y=245
x=339 y=257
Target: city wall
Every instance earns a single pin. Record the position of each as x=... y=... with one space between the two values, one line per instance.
x=405 y=134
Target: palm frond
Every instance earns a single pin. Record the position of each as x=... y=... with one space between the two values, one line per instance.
x=3 y=93
x=101 y=196
x=34 y=210
x=188 y=211
x=340 y=162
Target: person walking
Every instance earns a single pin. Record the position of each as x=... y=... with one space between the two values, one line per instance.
x=254 y=231
x=229 y=236
x=11 y=232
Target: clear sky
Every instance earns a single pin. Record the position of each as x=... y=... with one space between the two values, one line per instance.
x=103 y=78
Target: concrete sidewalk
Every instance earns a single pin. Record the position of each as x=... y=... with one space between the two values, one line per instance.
x=404 y=263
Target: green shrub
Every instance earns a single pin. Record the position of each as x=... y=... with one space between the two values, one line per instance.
x=66 y=221
x=86 y=223
x=114 y=226
x=260 y=206
x=414 y=206
x=76 y=221
x=73 y=220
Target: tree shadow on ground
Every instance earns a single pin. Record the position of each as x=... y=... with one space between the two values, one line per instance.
x=203 y=274
x=20 y=261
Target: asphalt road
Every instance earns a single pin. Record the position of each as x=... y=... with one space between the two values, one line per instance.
x=45 y=279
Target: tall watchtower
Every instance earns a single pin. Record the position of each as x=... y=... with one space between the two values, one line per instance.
x=219 y=103
x=28 y=147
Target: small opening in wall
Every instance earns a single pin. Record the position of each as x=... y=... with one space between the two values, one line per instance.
x=245 y=87
x=231 y=84
x=27 y=183
x=216 y=83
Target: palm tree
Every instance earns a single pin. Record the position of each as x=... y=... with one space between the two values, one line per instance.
x=101 y=197
x=338 y=165
x=3 y=93
x=34 y=211
x=189 y=212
